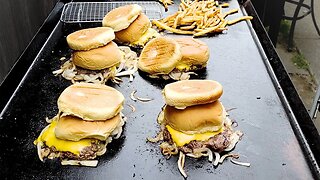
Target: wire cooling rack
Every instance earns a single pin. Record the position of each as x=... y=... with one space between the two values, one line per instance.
x=83 y=12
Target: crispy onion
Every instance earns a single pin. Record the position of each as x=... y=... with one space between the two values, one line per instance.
x=89 y=163
x=199 y=152
x=178 y=75
x=235 y=137
x=158 y=138
x=168 y=149
x=181 y=161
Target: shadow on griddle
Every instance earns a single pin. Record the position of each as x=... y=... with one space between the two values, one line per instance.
x=161 y=83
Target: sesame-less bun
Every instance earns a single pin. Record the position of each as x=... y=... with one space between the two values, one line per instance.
x=186 y=93
x=159 y=56
x=74 y=129
x=120 y=18
x=99 y=58
x=195 y=54
x=135 y=30
x=196 y=119
x=90 y=38
x=90 y=101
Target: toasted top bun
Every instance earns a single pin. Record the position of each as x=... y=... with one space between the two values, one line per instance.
x=90 y=101
x=194 y=53
x=120 y=18
x=99 y=58
x=74 y=129
x=135 y=30
x=91 y=38
x=192 y=92
x=196 y=119
x=159 y=56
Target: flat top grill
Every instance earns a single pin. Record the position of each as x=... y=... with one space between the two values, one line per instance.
x=89 y=12
x=270 y=144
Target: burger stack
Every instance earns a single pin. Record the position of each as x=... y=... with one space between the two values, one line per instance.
x=194 y=122
x=89 y=118
x=94 y=48
x=131 y=26
x=175 y=58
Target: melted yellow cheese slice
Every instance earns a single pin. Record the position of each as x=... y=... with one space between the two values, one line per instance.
x=49 y=138
x=181 y=138
x=146 y=37
x=182 y=67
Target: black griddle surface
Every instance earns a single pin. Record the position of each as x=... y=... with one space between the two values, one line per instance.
x=269 y=142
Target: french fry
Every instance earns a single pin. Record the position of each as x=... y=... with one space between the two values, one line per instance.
x=230 y=12
x=164 y=26
x=188 y=27
x=198 y=18
x=240 y=19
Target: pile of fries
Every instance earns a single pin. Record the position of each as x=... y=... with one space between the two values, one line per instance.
x=198 y=18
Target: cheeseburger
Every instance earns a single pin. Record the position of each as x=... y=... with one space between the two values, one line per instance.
x=96 y=58
x=173 y=58
x=194 y=121
x=131 y=26
x=89 y=118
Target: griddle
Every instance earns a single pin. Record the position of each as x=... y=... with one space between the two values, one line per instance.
x=272 y=142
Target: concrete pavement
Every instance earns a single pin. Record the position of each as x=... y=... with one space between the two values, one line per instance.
x=307 y=43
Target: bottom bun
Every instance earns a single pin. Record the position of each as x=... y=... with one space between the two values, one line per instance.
x=196 y=119
x=74 y=129
x=99 y=58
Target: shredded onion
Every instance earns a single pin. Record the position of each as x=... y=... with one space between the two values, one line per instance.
x=168 y=149
x=240 y=163
x=210 y=154
x=133 y=109
x=131 y=77
x=132 y=95
x=90 y=163
x=134 y=98
x=234 y=140
x=160 y=118
x=217 y=158
x=119 y=133
x=104 y=149
x=227 y=155
x=181 y=161
x=127 y=67
x=39 y=147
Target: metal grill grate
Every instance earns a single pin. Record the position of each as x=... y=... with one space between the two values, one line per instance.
x=81 y=12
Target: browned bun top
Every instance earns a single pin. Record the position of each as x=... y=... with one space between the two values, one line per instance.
x=135 y=30
x=90 y=38
x=186 y=93
x=196 y=119
x=120 y=18
x=99 y=58
x=159 y=56
x=90 y=101
x=74 y=129
x=194 y=52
